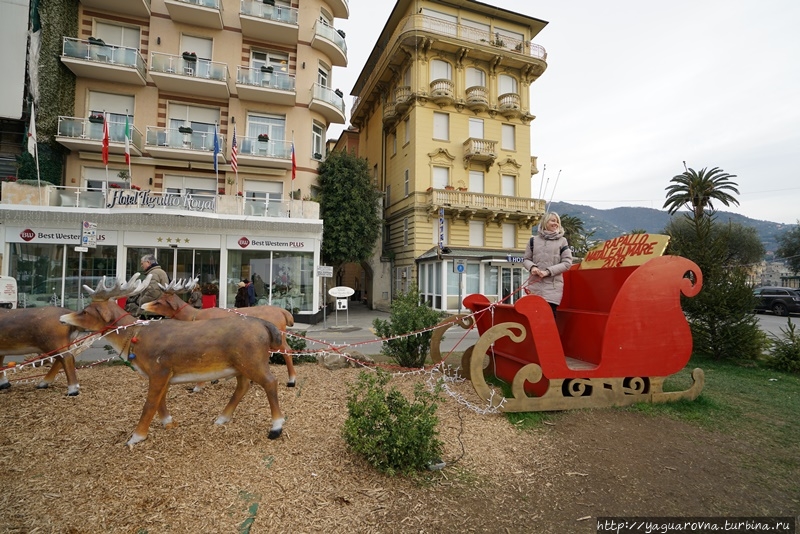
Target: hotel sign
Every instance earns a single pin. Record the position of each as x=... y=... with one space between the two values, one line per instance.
x=260 y=242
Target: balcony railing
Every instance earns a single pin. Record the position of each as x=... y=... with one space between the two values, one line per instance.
x=184 y=65
x=332 y=34
x=330 y=42
x=97 y=50
x=127 y=198
x=466 y=199
x=328 y=102
x=206 y=13
x=274 y=148
x=174 y=138
x=276 y=13
x=84 y=129
x=259 y=77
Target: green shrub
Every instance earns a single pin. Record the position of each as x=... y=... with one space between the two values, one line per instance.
x=786 y=350
x=297 y=344
x=394 y=435
x=408 y=315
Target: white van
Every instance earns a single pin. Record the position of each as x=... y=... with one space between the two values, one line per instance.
x=8 y=292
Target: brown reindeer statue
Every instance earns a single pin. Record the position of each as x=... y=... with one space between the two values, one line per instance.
x=39 y=331
x=176 y=352
x=170 y=305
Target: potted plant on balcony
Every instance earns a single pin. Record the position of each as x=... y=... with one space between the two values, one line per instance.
x=269 y=2
x=341 y=32
x=123 y=174
x=96 y=118
x=190 y=56
x=263 y=138
x=185 y=129
x=267 y=68
x=338 y=92
x=449 y=187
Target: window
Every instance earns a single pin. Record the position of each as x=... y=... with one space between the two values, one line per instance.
x=508 y=185
x=317 y=132
x=407 y=77
x=476 y=181
x=407 y=128
x=405 y=231
x=507 y=84
x=473 y=278
x=116 y=107
x=387 y=197
x=441 y=70
x=394 y=143
x=272 y=125
x=509 y=235
x=441 y=177
x=476 y=128
x=200 y=120
x=475 y=77
x=440 y=22
x=476 y=233
x=191 y=185
x=277 y=60
x=477 y=32
x=508 y=140
x=117 y=35
x=323 y=74
x=406 y=184
x=201 y=47
x=260 y=190
x=441 y=126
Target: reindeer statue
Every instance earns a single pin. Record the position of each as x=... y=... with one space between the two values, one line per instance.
x=170 y=305
x=174 y=352
x=39 y=331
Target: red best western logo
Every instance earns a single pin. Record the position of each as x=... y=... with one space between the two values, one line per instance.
x=243 y=242
x=27 y=235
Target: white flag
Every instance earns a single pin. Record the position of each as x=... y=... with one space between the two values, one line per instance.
x=32 y=134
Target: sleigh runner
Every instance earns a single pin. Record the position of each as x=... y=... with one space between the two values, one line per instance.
x=619 y=333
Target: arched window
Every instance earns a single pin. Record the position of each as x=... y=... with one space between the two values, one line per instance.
x=507 y=84
x=441 y=70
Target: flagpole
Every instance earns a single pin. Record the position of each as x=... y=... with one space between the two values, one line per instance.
x=128 y=139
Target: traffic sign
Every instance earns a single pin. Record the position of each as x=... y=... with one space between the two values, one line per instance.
x=460 y=266
x=89 y=234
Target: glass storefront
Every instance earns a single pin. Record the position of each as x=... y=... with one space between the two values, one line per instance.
x=44 y=278
x=280 y=278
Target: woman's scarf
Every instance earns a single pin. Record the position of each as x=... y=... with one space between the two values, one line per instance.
x=546 y=234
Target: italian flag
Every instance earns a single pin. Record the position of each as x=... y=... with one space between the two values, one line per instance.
x=127 y=142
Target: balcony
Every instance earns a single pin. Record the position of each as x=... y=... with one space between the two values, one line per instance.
x=331 y=43
x=276 y=24
x=492 y=208
x=328 y=103
x=92 y=58
x=403 y=98
x=442 y=92
x=187 y=75
x=84 y=135
x=273 y=153
x=480 y=151
x=172 y=143
x=205 y=13
x=508 y=105
x=339 y=8
x=126 y=200
x=389 y=113
x=136 y=8
x=477 y=98
x=264 y=85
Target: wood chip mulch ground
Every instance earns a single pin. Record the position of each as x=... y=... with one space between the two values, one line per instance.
x=65 y=468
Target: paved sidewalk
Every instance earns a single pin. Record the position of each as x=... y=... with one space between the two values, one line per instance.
x=352 y=328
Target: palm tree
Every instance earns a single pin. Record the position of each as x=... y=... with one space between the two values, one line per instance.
x=699 y=190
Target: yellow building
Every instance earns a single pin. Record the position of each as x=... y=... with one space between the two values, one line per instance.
x=169 y=82
x=443 y=112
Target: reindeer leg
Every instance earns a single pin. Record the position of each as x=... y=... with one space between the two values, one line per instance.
x=156 y=394
x=242 y=385
x=164 y=415
x=73 y=388
x=269 y=383
x=48 y=379
x=287 y=357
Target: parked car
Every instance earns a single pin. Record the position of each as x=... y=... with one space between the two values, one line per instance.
x=779 y=300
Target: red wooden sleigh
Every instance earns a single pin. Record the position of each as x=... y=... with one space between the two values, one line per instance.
x=620 y=331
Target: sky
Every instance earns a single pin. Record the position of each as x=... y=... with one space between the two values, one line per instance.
x=634 y=88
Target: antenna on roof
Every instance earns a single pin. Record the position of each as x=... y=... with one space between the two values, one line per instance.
x=552 y=194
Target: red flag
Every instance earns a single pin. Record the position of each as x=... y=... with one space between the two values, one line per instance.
x=105 y=139
x=294 y=163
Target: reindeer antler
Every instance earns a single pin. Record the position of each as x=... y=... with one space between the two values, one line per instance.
x=119 y=289
x=190 y=284
x=175 y=286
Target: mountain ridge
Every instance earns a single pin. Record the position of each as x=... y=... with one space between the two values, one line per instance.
x=612 y=222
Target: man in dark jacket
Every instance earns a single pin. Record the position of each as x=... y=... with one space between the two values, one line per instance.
x=251 y=292
x=133 y=304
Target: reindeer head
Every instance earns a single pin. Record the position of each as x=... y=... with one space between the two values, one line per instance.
x=103 y=309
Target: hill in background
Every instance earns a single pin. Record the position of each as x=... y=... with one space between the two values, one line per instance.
x=613 y=222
